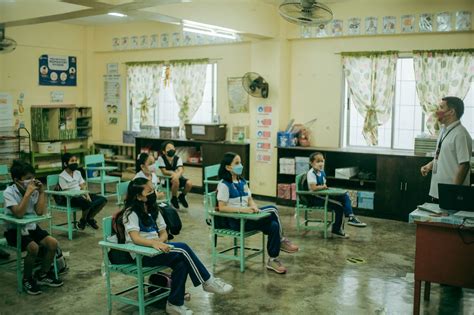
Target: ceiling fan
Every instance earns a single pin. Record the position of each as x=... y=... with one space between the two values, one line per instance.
x=305 y=12
x=6 y=44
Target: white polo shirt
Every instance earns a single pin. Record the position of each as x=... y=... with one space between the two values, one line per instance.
x=12 y=198
x=455 y=150
x=68 y=182
x=161 y=162
x=154 y=178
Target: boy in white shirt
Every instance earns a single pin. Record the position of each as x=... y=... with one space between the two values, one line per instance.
x=26 y=197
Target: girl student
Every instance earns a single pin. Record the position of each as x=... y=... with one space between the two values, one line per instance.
x=145 y=226
x=233 y=195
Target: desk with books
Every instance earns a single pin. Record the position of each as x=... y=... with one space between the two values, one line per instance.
x=444 y=252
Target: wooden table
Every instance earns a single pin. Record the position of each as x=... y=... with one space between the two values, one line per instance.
x=19 y=223
x=443 y=254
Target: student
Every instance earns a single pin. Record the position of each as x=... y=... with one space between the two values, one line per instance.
x=146 y=168
x=145 y=226
x=316 y=178
x=26 y=196
x=171 y=165
x=71 y=179
x=233 y=195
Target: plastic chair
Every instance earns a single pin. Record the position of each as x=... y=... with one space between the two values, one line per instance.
x=134 y=269
x=303 y=205
x=5 y=178
x=51 y=182
x=122 y=193
x=239 y=249
x=211 y=171
x=96 y=162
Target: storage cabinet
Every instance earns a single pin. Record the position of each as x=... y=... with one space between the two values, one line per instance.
x=396 y=181
x=67 y=127
x=118 y=154
x=210 y=152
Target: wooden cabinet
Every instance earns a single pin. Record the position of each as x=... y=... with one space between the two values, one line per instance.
x=210 y=152
x=396 y=180
x=118 y=154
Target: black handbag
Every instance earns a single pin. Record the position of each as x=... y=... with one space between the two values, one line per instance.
x=171 y=217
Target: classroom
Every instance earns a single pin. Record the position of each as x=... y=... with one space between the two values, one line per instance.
x=236 y=157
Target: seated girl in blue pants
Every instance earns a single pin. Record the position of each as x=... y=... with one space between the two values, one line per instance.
x=145 y=226
x=233 y=195
x=341 y=205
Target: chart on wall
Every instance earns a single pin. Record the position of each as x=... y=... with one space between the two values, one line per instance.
x=112 y=97
x=264 y=126
x=57 y=70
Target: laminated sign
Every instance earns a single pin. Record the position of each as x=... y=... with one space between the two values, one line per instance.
x=57 y=70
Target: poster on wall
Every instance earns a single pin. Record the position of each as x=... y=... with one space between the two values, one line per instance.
x=238 y=98
x=112 y=98
x=6 y=111
x=264 y=124
x=57 y=70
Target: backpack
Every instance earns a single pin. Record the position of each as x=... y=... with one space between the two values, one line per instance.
x=172 y=219
x=303 y=186
x=60 y=200
x=60 y=259
x=118 y=228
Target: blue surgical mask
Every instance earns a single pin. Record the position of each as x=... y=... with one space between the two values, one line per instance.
x=238 y=169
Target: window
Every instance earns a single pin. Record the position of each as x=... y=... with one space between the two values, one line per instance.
x=407 y=120
x=166 y=113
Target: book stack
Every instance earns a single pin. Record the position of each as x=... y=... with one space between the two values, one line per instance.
x=425 y=144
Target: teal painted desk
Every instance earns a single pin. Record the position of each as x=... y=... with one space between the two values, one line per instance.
x=444 y=253
x=19 y=223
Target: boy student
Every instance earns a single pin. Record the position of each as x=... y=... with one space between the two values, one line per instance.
x=71 y=179
x=26 y=196
x=316 y=178
x=171 y=165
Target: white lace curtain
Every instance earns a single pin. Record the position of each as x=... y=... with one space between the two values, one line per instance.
x=441 y=73
x=189 y=79
x=371 y=80
x=144 y=81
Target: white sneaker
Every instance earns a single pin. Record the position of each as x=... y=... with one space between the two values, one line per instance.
x=177 y=310
x=216 y=285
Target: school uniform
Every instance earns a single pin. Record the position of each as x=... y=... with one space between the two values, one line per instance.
x=340 y=204
x=455 y=147
x=236 y=195
x=154 y=178
x=30 y=232
x=163 y=162
x=74 y=182
x=181 y=259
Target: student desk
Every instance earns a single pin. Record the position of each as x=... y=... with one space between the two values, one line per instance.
x=19 y=223
x=442 y=256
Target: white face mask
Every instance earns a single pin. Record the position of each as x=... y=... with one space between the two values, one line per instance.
x=26 y=182
x=152 y=168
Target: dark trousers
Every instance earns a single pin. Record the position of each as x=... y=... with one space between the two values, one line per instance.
x=97 y=202
x=183 y=261
x=338 y=209
x=346 y=204
x=269 y=226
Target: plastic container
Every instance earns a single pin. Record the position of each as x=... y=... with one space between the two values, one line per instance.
x=129 y=136
x=208 y=132
x=365 y=200
x=286 y=139
x=49 y=147
x=169 y=132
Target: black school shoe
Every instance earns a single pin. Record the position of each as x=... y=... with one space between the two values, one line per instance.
x=174 y=202
x=93 y=224
x=31 y=286
x=48 y=279
x=182 y=199
x=81 y=224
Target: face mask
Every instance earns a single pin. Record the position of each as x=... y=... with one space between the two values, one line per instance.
x=152 y=168
x=26 y=182
x=150 y=199
x=170 y=153
x=73 y=166
x=238 y=169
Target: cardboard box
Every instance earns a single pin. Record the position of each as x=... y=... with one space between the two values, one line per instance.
x=286 y=139
x=347 y=172
x=365 y=200
x=287 y=166
x=208 y=132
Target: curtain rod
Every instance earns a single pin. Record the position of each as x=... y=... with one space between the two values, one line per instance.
x=167 y=62
x=413 y=51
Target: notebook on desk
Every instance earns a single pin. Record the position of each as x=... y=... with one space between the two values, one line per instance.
x=456 y=197
x=465 y=214
x=430 y=207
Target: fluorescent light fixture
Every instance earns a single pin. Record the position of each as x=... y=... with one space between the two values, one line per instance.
x=207 y=29
x=117 y=14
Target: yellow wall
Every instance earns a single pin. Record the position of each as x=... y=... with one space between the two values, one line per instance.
x=305 y=75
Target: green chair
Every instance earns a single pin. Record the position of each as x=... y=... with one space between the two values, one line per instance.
x=303 y=205
x=134 y=269
x=210 y=172
x=122 y=193
x=5 y=178
x=70 y=225
x=239 y=249
x=96 y=163
x=165 y=187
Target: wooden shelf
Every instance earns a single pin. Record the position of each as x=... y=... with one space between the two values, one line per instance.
x=192 y=164
x=369 y=181
x=73 y=151
x=120 y=161
x=114 y=143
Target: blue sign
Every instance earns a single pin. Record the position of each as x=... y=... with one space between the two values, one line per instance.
x=57 y=70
